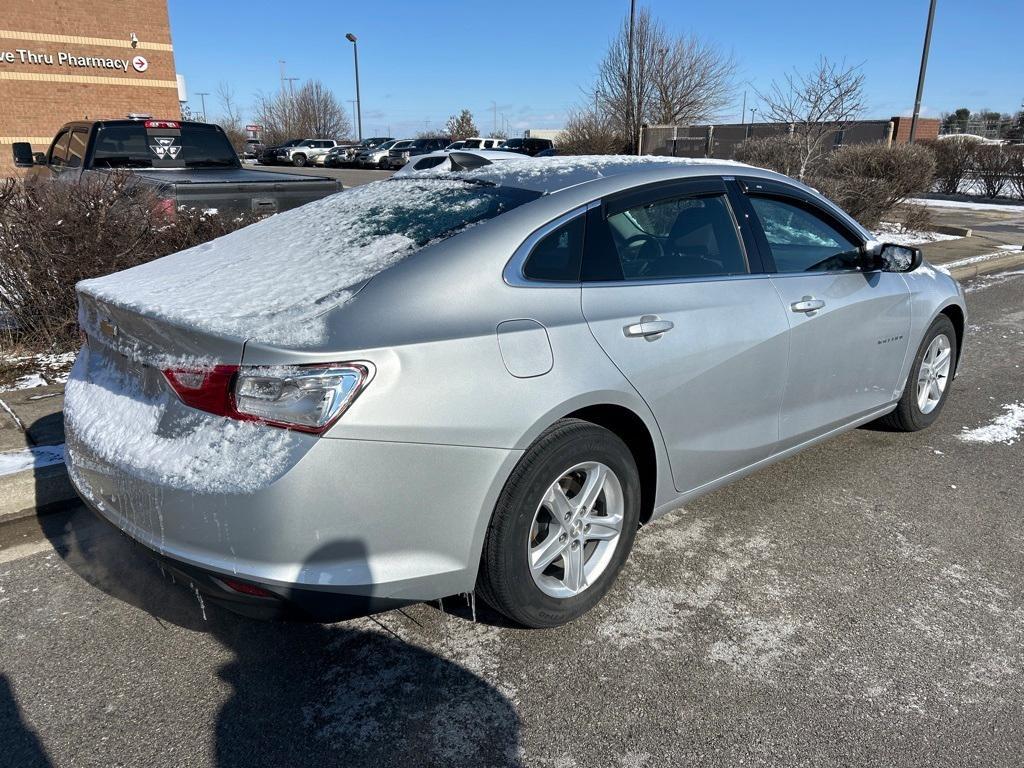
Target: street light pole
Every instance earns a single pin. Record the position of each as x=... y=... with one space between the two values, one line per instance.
x=359 y=105
x=924 y=66
x=202 y=97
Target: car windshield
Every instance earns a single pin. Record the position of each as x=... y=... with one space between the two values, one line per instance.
x=387 y=145
x=188 y=146
x=514 y=143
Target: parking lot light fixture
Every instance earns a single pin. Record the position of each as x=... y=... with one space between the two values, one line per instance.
x=359 y=107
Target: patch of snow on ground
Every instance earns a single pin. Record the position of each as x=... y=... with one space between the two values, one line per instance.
x=1004 y=429
x=967 y=205
x=30 y=458
x=38 y=370
x=110 y=419
x=30 y=381
x=896 y=234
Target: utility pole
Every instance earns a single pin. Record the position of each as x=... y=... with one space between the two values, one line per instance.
x=753 y=115
x=282 y=63
x=494 y=117
x=353 y=103
x=924 y=66
x=202 y=97
x=629 y=69
x=291 y=85
x=359 y=103
x=743 y=112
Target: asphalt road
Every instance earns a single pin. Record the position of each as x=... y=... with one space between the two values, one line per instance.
x=860 y=604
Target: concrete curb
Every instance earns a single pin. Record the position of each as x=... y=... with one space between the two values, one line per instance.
x=35 y=492
x=944 y=229
x=1011 y=260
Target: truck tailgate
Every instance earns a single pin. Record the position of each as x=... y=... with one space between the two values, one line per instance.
x=253 y=196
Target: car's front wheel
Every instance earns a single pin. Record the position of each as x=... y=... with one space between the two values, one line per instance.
x=563 y=526
x=299 y=160
x=931 y=376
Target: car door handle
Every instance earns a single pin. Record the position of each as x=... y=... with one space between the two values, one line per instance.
x=807 y=304
x=648 y=327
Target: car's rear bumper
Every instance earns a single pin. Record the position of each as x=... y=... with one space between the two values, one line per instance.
x=351 y=526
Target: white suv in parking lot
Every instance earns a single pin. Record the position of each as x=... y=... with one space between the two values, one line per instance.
x=306 y=151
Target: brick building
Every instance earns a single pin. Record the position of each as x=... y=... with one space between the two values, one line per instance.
x=62 y=60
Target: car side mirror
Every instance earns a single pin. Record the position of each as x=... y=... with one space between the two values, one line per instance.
x=23 y=157
x=898 y=258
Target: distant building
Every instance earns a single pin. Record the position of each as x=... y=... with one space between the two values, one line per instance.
x=721 y=140
x=541 y=133
x=62 y=61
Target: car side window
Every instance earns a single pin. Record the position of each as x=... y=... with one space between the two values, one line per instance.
x=676 y=237
x=76 y=149
x=802 y=241
x=59 y=152
x=557 y=256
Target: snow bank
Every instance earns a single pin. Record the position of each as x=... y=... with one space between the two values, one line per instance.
x=1004 y=429
x=897 y=235
x=272 y=281
x=109 y=418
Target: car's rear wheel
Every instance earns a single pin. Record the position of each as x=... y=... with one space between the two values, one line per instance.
x=299 y=160
x=931 y=376
x=563 y=526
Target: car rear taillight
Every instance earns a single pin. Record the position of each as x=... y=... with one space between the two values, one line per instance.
x=308 y=398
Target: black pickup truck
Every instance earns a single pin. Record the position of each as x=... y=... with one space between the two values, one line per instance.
x=187 y=164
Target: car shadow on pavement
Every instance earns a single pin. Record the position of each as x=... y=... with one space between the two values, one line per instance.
x=19 y=744
x=351 y=693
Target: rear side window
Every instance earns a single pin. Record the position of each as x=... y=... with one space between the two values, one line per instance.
x=670 y=238
x=557 y=256
x=59 y=152
x=801 y=241
x=76 y=148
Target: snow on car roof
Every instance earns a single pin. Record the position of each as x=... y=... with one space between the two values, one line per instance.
x=550 y=174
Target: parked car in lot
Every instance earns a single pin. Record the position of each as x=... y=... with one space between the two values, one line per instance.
x=455 y=145
x=488 y=379
x=305 y=152
x=374 y=157
x=269 y=155
x=185 y=163
x=528 y=146
x=477 y=142
x=252 y=149
x=458 y=160
x=399 y=156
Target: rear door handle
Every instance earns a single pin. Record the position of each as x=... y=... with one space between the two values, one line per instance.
x=649 y=327
x=807 y=304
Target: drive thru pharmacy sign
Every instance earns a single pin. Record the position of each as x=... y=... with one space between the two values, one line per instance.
x=68 y=59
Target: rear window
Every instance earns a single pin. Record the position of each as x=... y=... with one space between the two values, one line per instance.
x=135 y=146
x=430 y=209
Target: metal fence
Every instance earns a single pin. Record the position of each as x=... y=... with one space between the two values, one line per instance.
x=720 y=141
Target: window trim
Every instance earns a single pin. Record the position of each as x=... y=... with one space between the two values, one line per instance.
x=674 y=189
x=749 y=187
x=513 y=273
x=65 y=135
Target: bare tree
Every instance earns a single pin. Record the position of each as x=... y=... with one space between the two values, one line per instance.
x=231 y=117
x=461 y=126
x=313 y=112
x=675 y=81
x=816 y=105
x=590 y=132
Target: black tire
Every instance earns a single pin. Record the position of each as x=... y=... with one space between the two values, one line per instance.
x=298 y=160
x=908 y=416
x=505 y=581
x=382 y=164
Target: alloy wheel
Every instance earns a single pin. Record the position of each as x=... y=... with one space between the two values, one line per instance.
x=933 y=375
x=575 y=529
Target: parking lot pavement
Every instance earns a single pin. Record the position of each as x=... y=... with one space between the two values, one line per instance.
x=859 y=604
x=350 y=177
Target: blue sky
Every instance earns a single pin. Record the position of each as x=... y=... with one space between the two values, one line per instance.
x=422 y=61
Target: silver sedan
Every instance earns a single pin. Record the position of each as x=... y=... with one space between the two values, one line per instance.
x=487 y=380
